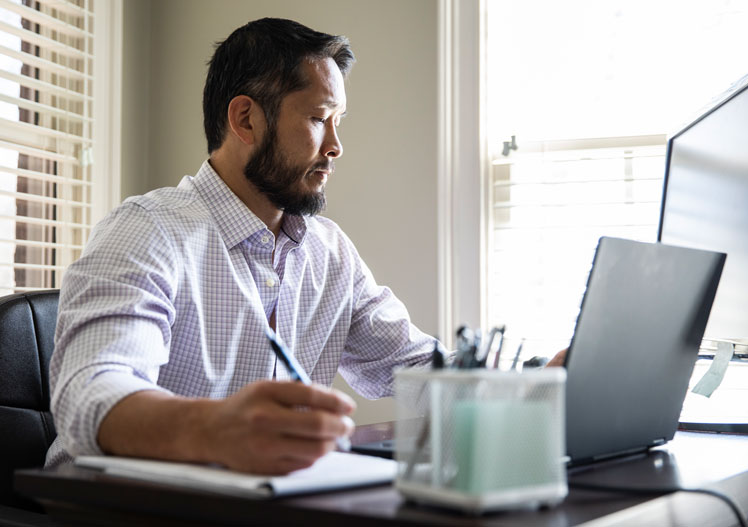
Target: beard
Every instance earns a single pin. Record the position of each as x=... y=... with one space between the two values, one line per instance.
x=281 y=182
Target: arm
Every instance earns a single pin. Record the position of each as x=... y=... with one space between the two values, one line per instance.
x=259 y=429
x=114 y=333
x=381 y=337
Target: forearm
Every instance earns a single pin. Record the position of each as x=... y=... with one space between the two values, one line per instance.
x=158 y=425
x=382 y=338
x=259 y=429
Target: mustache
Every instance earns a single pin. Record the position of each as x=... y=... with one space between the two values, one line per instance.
x=326 y=166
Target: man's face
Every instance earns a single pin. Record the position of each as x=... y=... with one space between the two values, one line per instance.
x=296 y=155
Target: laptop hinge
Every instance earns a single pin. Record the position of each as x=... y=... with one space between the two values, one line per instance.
x=619 y=454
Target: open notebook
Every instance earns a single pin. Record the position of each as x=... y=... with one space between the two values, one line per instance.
x=335 y=470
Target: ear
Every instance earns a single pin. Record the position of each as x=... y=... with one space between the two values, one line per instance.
x=245 y=119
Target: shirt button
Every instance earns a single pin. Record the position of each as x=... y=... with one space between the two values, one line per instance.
x=265 y=239
x=270 y=282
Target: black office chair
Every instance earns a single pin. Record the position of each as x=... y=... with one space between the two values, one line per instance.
x=27 y=327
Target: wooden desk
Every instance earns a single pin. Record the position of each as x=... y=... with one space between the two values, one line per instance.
x=85 y=497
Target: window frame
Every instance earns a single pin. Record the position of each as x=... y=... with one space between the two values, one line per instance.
x=462 y=166
x=107 y=109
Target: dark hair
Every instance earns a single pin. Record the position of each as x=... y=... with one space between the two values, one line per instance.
x=263 y=59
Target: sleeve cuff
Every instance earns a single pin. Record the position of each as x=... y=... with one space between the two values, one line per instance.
x=96 y=398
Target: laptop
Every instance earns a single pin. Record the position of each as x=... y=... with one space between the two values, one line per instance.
x=636 y=341
x=635 y=345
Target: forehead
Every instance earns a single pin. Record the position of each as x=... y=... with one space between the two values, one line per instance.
x=325 y=85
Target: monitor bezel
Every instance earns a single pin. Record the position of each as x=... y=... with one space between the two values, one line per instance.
x=718 y=102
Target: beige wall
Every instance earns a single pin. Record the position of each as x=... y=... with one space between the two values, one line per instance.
x=383 y=193
x=136 y=89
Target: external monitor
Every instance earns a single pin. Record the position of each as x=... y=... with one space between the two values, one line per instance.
x=705 y=201
x=705 y=206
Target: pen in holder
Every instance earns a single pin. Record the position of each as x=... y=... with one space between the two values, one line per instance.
x=478 y=440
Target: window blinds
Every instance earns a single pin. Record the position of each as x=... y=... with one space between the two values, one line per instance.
x=550 y=202
x=46 y=85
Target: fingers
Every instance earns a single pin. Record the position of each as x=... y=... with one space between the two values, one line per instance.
x=558 y=360
x=306 y=452
x=274 y=454
x=278 y=467
x=315 y=396
x=273 y=427
x=287 y=455
x=307 y=423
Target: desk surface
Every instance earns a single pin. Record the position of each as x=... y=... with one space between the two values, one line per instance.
x=83 y=496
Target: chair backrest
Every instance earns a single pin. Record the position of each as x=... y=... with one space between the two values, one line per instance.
x=27 y=328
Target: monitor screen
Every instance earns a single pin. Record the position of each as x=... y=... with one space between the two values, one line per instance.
x=705 y=201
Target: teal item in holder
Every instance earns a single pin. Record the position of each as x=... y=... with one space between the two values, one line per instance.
x=503 y=445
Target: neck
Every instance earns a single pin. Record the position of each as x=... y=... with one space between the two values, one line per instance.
x=255 y=201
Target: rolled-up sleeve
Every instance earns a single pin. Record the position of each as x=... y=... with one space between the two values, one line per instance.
x=114 y=324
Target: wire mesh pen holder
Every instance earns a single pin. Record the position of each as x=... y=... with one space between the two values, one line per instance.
x=481 y=440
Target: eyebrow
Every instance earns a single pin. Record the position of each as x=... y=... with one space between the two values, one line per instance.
x=332 y=105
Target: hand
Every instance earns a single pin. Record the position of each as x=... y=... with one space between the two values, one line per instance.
x=272 y=427
x=558 y=359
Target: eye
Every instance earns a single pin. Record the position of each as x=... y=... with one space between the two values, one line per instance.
x=319 y=120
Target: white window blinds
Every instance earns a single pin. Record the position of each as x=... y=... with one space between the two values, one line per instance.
x=550 y=204
x=46 y=84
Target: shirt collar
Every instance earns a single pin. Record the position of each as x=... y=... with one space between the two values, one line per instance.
x=294 y=227
x=234 y=219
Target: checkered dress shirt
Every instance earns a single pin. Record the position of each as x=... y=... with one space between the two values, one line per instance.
x=173 y=293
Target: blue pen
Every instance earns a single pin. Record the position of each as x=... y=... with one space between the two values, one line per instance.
x=297 y=373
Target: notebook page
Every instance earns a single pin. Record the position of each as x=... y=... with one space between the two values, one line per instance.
x=335 y=470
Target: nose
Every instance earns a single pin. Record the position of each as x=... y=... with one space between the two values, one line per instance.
x=332 y=146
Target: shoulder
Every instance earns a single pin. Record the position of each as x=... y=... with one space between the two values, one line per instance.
x=150 y=222
x=173 y=210
x=127 y=234
x=167 y=201
x=326 y=231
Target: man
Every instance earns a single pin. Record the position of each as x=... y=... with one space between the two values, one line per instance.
x=160 y=346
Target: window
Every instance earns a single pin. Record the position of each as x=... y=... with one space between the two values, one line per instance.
x=589 y=89
x=46 y=139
